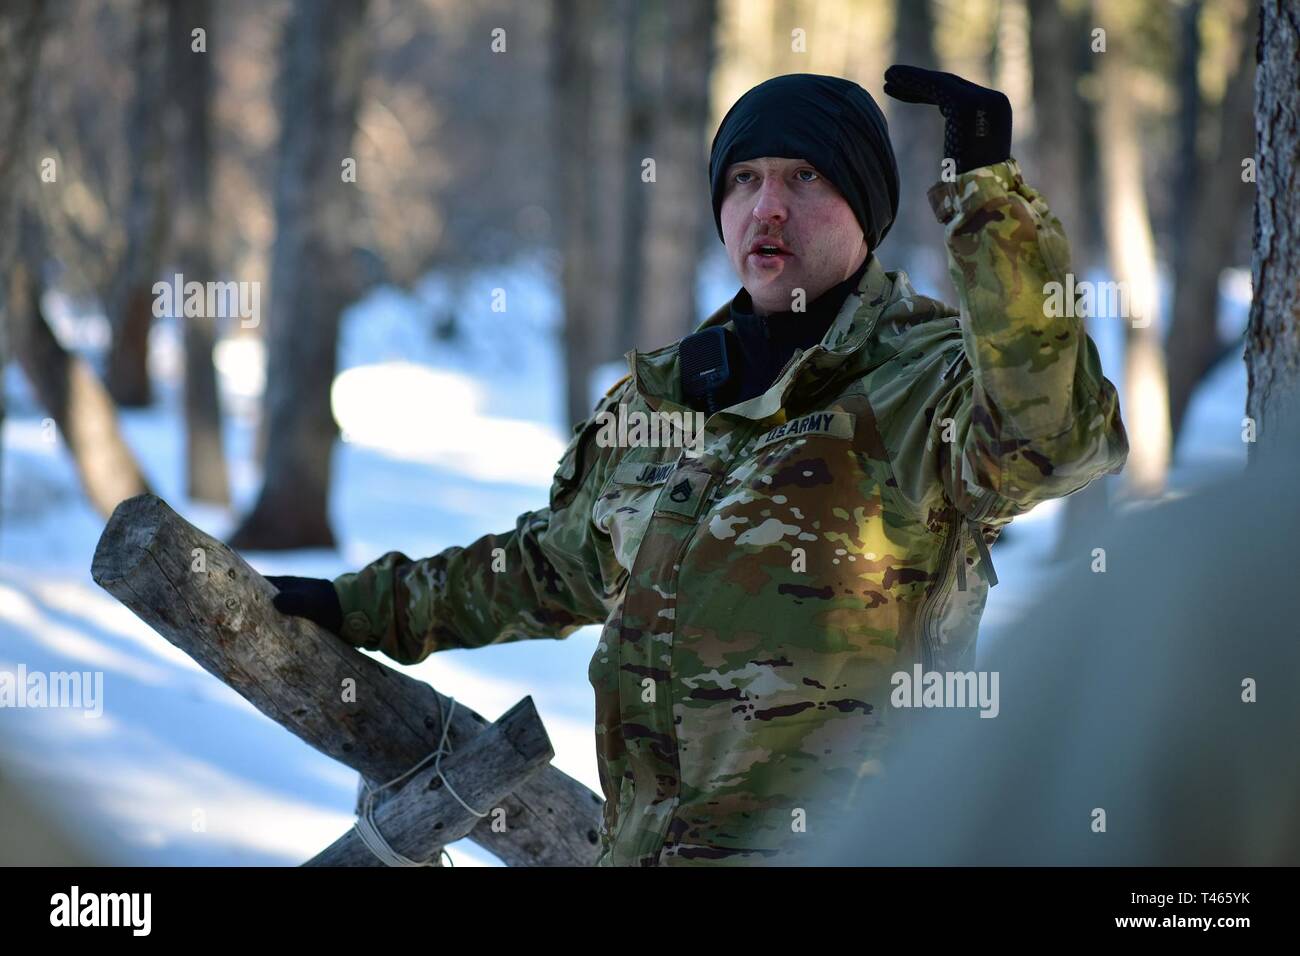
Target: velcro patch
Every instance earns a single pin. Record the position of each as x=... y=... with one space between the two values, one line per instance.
x=683 y=494
x=831 y=424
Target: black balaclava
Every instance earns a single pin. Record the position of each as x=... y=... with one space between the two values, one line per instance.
x=832 y=123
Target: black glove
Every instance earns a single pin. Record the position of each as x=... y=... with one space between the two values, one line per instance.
x=977 y=131
x=312 y=598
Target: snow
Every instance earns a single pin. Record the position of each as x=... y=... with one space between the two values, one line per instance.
x=446 y=440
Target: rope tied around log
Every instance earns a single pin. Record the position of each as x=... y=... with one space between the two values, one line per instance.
x=368 y=828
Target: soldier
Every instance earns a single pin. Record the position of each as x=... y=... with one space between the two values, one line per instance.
x=830 y=526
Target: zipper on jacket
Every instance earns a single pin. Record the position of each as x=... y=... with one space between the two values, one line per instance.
x=971 y=521
x=986 y=560
x=954 y=566
x=794 y=357
x=938 y=597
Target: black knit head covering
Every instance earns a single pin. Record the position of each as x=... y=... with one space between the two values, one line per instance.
x=832 y=123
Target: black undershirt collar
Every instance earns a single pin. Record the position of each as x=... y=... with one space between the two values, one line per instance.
x=767 y=342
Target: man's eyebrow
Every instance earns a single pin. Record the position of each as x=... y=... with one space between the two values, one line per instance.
x=799 y=164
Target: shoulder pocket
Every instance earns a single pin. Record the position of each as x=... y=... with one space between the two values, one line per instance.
x=582 y=451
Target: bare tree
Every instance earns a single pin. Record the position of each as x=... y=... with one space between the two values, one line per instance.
x=1056 y=151
x=323 y=71
x=677 y=201
x=189 y=86
x=918 y=145
x=66 y=385
x=1214 y=203
x=22 y=31
x=1132 y=253
x=590 y=43
x=1056 y=145
x=129 y=300
x=1273 y=336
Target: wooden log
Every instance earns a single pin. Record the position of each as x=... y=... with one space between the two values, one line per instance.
x=425 y=815
x=205 y=599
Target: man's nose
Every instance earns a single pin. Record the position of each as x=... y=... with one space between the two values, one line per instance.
x=772 y=204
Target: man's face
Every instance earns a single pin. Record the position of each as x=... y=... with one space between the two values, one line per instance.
x=788 y=203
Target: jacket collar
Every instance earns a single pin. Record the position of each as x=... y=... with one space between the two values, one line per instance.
x=850 y=341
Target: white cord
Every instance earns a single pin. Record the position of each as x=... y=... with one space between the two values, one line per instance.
x=368 y=829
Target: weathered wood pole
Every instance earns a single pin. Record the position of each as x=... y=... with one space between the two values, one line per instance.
x=205 y=599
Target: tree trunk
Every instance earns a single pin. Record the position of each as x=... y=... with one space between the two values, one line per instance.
x=130 y=299
x=320 y=88
x=65 y=384
x=591 y=81
x=1056 y=150
x=1132 y=262
x=204 y=598
x=1216 y=204
x=570 y=77
x=678 y=202
x=1012 y=70
x=1273 y=335
x=22 y=30
x=189 y=85
x=915 y=241
x=1055 y=147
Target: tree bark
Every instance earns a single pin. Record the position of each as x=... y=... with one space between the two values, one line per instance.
x=1273 y=335
x=320 y=89
x=65 y=384
x=189 y=85
x=344 y=703
x=915 y=241
x=678 y=202
x=429 y=811
x=130 y=300
x=1055 y=146
x=22 y=31
x=591 y=79
x=1216 y=203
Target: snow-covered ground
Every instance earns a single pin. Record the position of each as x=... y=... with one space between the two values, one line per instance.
x=444 y=441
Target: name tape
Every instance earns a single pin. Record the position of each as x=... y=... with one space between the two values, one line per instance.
x=831 y=424
x=643 y=473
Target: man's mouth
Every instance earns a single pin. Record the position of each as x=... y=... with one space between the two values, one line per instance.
x=770 y=250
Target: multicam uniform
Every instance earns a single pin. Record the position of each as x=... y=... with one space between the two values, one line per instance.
x=758 y=591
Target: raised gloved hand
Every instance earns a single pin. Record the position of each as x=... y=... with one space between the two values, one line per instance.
x=312 y=598
x=977 y=130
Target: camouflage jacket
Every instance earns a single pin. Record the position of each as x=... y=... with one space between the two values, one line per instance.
x=758 y=589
